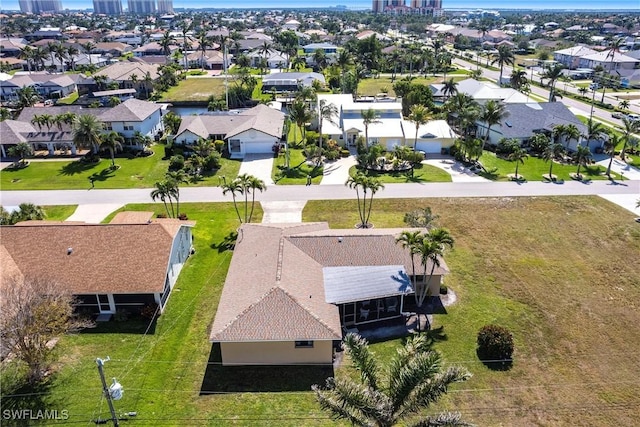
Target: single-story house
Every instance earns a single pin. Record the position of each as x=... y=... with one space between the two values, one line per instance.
x=289 y=82
x=481 y=92
x=275 y=59
x=255 y=130
x=99 y=263
x=292 y=289
x=213 y=60
x=328 y=48
x=525 y=120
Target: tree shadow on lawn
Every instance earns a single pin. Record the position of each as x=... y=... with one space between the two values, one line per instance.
x=297 y=172
x=494 y=365
x=19 y=397
x=227 y=244
x=267 y=378
x=135 y=325
x=77 y=167
x=104 y=174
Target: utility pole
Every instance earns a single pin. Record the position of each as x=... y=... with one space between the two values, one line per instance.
x=106 y=391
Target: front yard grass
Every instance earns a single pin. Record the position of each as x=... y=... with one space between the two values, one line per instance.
x=59 y=212
x=298 y=169
x=533 y=265
x=421 y=173
x=534 y=168
x=194 y=90
x=139 y=172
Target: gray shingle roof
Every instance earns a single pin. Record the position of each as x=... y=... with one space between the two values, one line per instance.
x=525 y=119
x=131 y=110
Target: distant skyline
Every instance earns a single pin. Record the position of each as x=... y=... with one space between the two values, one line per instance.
x=366 y=4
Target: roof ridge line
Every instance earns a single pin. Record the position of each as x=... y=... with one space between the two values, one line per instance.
x=308 y=310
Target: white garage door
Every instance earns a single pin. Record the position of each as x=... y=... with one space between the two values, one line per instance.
x=431 y=147
x=258 y=147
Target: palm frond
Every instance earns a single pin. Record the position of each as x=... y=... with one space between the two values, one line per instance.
x=445 y=419
x=362 y=359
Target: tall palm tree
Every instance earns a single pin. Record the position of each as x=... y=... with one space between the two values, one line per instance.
x=204 y=42
x=449 y=88
x=326 y=111
x=368 y=185
x=185 y=27
x=234 y=188
x=72 y=53
x=165 y=42
x=344 y=61
x=265 y=48
x=610 y=148
x=571 y=131
x=550 y=153
x=112 y=141
x=504 y=56
x=369 y=117
x=163 y=192
x=409 y=240
x=596 y=131
x=613 y=48
x=582 y=158
x=39 y=56
x=26 y=97
x=320 y=58
x=630 y=127
x=300 y=114
x=518 y=79
x=412 y=382
x=518 y=155
x=493 y=112
x=553 y=74
x=254 y=184
x=59 y=51
x=26 y=53
x=419 y=115
x=21 y=150
x=431 y=249
x=86 y=132
x=174 y=179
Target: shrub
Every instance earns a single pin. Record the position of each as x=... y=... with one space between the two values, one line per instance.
x=443 y=289
x=183 y=216
x=218 y=145
x=506 y=147
x=312 y=137
x=176 y=162
x=161 y=215
x=345 y=153
x=212 y=161
x=168 y=151
x=495 y=344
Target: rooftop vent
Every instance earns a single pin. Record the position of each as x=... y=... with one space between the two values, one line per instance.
x=69 y=250
x=340 y=239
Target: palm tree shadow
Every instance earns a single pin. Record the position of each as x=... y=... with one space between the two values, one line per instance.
x=227 y=244
x=103 y=175
x=77 y=167
x=490 y=174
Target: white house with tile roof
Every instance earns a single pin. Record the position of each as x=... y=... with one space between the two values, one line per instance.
x=292 y=289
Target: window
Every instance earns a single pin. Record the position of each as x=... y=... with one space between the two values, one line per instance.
x=108 y=126
x=128 y=127
x=304 y=344
x=235 y=145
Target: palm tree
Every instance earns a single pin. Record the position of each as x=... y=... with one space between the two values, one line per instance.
x=320 y=58
x=624 y=104
x=328 y=111
x=185 y=27
x=518 y=79
x=596 y=131
x=86 y=132
x=26 y=53
x=613 y=48
x=493 y=112
x=163 y=192
x=300 y=114
x=369 y=117
x=369 y=185
x=72 y=52
x=343 y=61
x=254 y=184
x=610 y=148
x=553 y=74
x=204 y=43
x=60 y=53
x=502 y=57
x=431 y=249
x=165 y=42
x=409 y=240
x=571 y=131
x=419 y=115
x=88 y=47
x=630 y=127
x=550 y=153
x=582 y=157
x=174 y=179
x=449 y=88
x=28 y=212
x=26 y=97
x=112 y=141
x=234 y=188
x=22 y=150
x=518 y=155
x=412 y=382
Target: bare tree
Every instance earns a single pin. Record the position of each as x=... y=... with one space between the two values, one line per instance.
x=35 y=311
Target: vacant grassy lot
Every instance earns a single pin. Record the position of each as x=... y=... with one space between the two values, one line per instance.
x=560 y=273
x=194 y=89
x=141 y=172
x=533 y=168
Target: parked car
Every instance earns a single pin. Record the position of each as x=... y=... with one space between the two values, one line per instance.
x=633 y=117
x=617 y=115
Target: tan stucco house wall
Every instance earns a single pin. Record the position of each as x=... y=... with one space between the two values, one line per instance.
x=275 y=353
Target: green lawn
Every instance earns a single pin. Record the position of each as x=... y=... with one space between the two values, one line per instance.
x=298 y=169
x=141 y=172
x=371 y=86
x=533 y=168
x=59 y=212
x=529 y=264
x=421 y=173
x=198 y=89
x=69 y=99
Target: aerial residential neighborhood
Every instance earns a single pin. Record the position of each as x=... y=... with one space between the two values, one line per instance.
x=391 y=213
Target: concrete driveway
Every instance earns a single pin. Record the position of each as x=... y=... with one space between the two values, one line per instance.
x=93 y=213
x=258 y=165
x=337 y=172
x=458 y=172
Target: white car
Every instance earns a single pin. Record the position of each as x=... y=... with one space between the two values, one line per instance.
x=633 y=117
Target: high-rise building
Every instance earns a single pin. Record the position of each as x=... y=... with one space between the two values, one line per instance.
x=165 y=6
x=379 y=6
x=427 y=7
x=142 y=7
x=40 y=6
x=107 y=7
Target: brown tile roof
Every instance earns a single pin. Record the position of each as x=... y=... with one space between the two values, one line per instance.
x=10 y=270
x=276 y=275
x=123 y=70
x=104 y=258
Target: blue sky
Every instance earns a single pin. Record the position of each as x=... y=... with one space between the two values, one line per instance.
x=365 y=4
